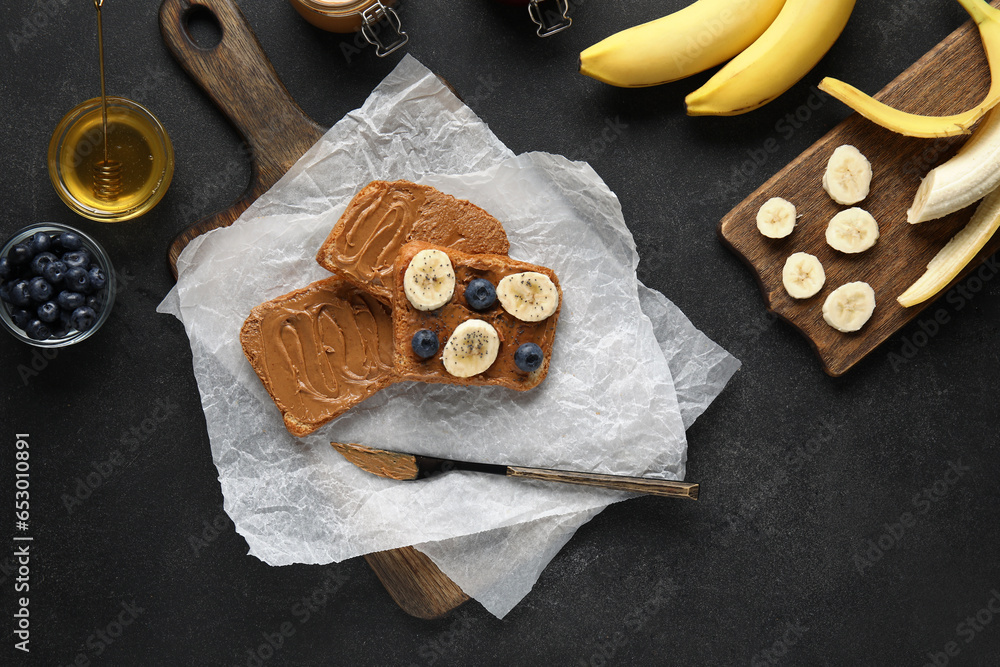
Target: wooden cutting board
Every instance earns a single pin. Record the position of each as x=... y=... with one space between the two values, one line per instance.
x=237 y=76
x=951 y=78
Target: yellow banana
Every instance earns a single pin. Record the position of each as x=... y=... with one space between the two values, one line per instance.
x=702 y=35
x=791 y=46
x=987 y=19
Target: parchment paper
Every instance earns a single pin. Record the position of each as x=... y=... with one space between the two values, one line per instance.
x=609 y=403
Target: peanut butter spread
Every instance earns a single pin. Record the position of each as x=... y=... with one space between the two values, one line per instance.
x=386 y=215
x=407 y=320
x=320 y=350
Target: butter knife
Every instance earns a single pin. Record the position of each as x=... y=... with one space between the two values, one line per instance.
x=401 y=466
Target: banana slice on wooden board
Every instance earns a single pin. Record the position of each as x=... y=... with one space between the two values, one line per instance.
x=803 y=275
x=776 y=218
x=848 y=175
x=849 y=306
x=853 y=230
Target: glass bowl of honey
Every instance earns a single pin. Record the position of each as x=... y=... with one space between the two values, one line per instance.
x=136 y=144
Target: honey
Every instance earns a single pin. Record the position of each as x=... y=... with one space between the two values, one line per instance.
x=136 y=141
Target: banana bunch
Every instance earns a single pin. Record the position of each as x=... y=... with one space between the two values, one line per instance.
x=771 y=43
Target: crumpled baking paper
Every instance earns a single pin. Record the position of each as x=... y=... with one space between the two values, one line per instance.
x=628 y=373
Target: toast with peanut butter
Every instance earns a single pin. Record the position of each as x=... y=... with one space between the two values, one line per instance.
x=384 y=216
x=324 y=348
x=484 y=311
x=320 y=350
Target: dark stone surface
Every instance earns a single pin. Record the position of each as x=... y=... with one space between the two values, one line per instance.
x=765 y=569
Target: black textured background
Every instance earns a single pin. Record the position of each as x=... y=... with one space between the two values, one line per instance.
x=773 y=566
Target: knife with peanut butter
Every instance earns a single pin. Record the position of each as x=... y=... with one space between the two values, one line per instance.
x=401 y=466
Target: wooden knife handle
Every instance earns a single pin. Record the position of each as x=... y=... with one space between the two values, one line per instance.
x=656 y=487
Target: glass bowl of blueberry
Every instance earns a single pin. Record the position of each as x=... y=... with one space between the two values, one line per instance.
x=57 y=285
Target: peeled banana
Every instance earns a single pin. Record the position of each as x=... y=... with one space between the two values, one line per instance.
x=802 y=33
x=701 y=35
x=973 y=173
x=987 y=19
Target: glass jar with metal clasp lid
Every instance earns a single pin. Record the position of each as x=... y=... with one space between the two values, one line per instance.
x=377 y=20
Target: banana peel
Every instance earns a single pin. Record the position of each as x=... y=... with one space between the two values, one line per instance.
x=957 y=253
x=987 y=19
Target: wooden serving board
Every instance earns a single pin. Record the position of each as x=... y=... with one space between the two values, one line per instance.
x=237 y=76
x=950 y=78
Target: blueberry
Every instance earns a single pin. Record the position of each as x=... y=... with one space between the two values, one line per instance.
x=77 y=280
x=97 y=278
x=70 y=301
x=5 y=291
x=528 y=357
x=94 y=302
x=480 y=294
x=64 y=320
x=39 y=289
x=37 y=330
x=20 y=293
x=77 y=259
x=21 y=317
x=6 y=268
x=55 y=271
x=425 y=343
x=70 y=241
x=48 y=312
x=83 y=318
x=20 y=254
x=40 y=261
x=40 y=242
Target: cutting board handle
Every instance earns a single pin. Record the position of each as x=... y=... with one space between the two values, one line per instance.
x=237 y=76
